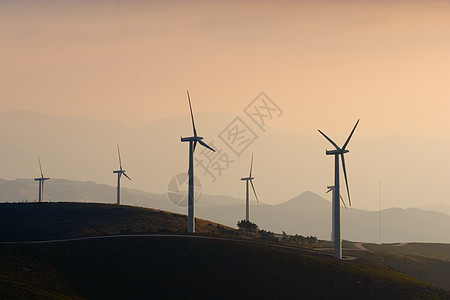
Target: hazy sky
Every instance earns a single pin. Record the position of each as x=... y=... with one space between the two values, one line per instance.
x=325 y=63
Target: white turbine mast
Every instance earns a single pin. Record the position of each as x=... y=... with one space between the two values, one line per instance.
x=247 y=180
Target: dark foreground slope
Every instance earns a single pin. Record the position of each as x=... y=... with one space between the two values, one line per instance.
x=158 y=267
x=174 y=267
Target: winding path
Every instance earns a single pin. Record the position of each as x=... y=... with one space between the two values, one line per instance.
x=360 y=246
x=309 y=251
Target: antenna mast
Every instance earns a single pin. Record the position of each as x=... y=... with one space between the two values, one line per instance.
x=379 y=201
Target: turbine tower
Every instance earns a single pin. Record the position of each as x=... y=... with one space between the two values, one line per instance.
x=193 y=140
x=336 y=191
x=247 y=180
x=119 y=175
x=41 y=182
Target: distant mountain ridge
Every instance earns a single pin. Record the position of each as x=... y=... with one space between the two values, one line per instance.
x=306 y=199
x=84 y=149
x=441 y=207
x=306 y=214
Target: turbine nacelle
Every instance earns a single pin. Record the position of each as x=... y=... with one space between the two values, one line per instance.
x=119 y=171
x=247 y=178
x=337 y=151
x=41 y=179
x=192 y=138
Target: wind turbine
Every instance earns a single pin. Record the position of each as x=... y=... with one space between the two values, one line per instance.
x=193 y=140
x=41 y=182
x=119 y=175
x=247 y=180
x=336 y=191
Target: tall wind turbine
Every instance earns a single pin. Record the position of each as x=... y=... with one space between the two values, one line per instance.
x=247 y=180
x=336 y=191
x=41 y=182
x=119 y=175
x=193 y=140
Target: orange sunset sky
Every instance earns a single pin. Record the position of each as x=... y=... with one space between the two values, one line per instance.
x=325 y=63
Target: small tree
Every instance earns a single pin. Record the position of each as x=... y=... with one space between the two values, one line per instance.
x=247 y=227
x=285 y=237
x=311 y=240
x=267 y=236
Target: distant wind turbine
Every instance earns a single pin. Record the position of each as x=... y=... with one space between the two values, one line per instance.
x=247 y=180
x=119 y=175
x=336 y=191
x=193 y=140
x=331 y=189
x=41 y=182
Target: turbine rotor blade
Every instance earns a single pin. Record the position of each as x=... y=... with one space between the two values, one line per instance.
x=195 y=145
x=329 y=190
x=205 y=145
x=254 y=191
x=349 y=137
x=120 y=160
x=333 y=143
x=126 y=176
x=192 y=115
x=345 y=176
x=251 y=167
x=342 y=199
x=40 y=167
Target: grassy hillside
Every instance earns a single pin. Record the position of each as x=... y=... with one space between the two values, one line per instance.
x=171 y=267
x=38 y=221
x=431 y=250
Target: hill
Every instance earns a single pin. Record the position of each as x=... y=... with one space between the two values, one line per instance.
x=39 y=221
x=143 y=267
x=429 y=262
